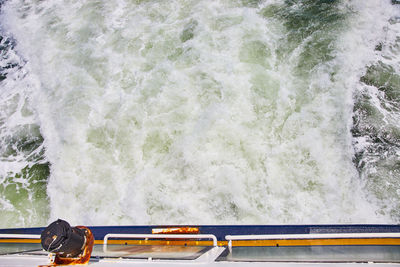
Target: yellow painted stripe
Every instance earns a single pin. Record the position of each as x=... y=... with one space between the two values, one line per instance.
x=318 y=242
x=161 y=242
x=20 y=240
x=244 y=243
x=278 y=242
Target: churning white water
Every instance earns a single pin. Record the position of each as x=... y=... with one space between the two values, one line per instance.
x=188 y=112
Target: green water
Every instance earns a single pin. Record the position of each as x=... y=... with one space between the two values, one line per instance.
x=149 y=112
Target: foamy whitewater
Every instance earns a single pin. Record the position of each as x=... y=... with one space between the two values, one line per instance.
x=199 y=112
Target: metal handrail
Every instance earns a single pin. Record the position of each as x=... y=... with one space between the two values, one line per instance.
x=178 y=236
x=231 y=238
x=20 y=236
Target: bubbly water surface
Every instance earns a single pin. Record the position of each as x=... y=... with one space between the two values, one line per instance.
x=199 y=112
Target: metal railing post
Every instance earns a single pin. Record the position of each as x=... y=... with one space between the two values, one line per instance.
x=160 y=236
x=231 y=238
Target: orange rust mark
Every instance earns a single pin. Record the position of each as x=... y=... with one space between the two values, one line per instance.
x=176 y=230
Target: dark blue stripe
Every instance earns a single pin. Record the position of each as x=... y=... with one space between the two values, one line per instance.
x=220 y=231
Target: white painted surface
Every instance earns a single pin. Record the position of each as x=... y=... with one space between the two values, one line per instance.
x=27 y=260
